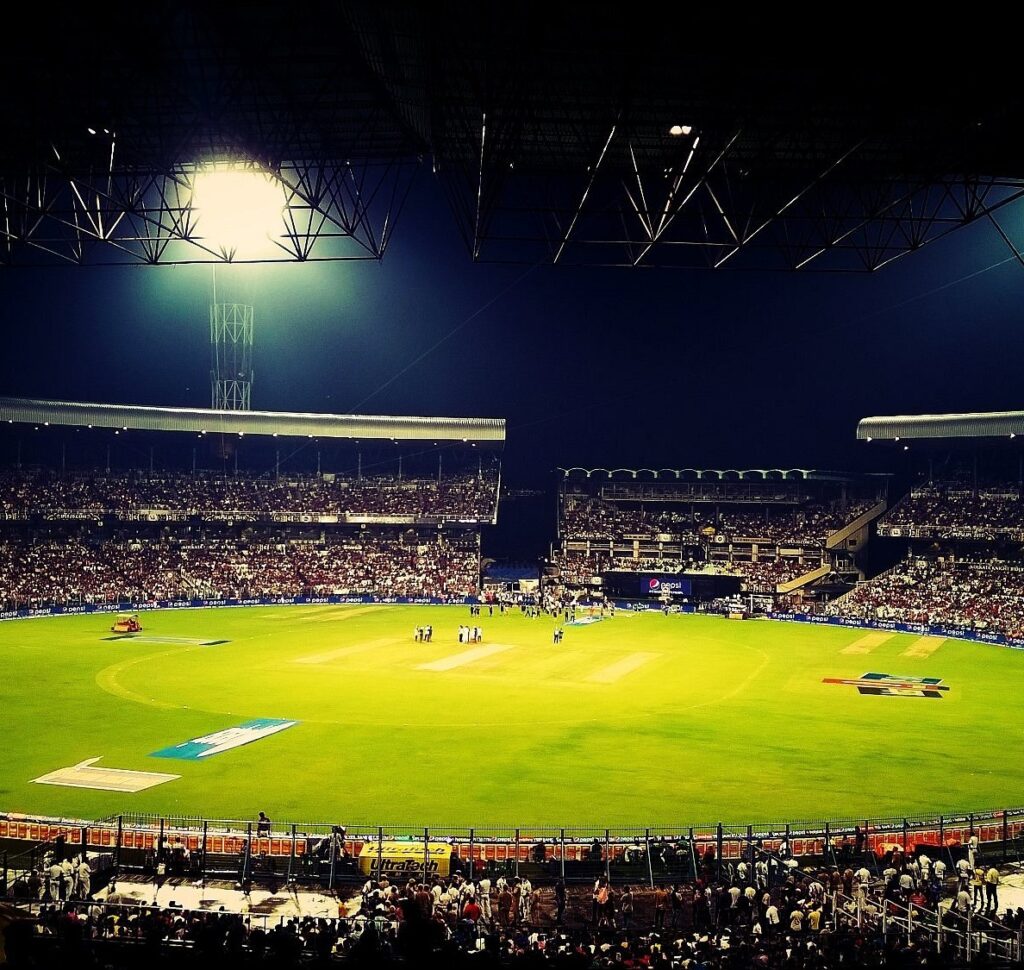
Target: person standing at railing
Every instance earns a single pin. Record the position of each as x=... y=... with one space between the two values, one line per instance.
x=863 y=880
x=53 y=877
x=761 y=873
x=962 y=906
x=484 y=898
x=507 y=908
x=67 y=871
x=626 y=907
x=84 y=879
x=963 y=873
x=977 y=882
x=925 y=864
x=814 y=919
x=973 y=844
x=992 y=890
x=36 y=886
x=660 y=904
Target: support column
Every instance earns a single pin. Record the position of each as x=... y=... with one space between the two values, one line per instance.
x=202 y=859
x=426 y=852
x=291 y=857
x=650 y=863
x=719 y=845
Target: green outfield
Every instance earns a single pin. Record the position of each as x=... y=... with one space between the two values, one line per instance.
x=634 y=720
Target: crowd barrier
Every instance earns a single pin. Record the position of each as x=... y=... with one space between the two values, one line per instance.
x=498 y=846
x=921 y=629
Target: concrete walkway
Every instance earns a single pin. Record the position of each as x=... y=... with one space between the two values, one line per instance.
x=219 y=895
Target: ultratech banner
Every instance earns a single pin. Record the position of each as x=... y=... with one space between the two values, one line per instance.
x=404 y=859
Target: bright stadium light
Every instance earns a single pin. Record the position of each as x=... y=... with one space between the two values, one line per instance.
x=237 y=210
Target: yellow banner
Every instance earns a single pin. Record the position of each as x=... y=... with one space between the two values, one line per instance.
x=404 y=859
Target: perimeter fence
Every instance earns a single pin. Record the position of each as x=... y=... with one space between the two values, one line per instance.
x=330 y=854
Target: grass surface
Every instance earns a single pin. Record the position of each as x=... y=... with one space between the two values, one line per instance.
x=720 y=720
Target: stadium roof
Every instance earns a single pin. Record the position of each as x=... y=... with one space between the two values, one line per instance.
x=567 y=133
x=712 y=474
x=993 y=424
x=276 y=423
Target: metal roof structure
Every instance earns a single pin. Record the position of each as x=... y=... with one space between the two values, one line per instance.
x=993 y=424
x=563 y=132
x=273 y=423
x=710 y=474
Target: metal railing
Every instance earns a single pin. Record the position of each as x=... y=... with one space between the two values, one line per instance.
x=324 y=851
x=966 y=937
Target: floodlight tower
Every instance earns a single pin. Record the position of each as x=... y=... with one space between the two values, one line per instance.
x=237 y=207
x=231 y=374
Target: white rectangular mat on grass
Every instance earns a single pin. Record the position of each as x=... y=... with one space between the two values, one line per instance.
x=84 y=775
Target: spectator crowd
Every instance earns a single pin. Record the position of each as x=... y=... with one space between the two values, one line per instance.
x=809 y=524
x=763 y=914
x=88 y=569
x=462 y=497
x=961 y=511
x=980 y=595
x=577 y=568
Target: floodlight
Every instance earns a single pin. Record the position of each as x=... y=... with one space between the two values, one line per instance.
x=236 y=209
x=678 y=130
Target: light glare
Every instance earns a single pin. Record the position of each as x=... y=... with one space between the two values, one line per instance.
x=236 y=209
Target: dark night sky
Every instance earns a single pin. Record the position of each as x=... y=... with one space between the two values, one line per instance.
x=590 y=366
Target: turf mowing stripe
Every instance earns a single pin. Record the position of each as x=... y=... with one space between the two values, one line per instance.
x=466 y=657
x=334 y=611
x=297 y=614
x=923 y=647
x=188 y=641
x=344 y=613
x=867 y=643
x=350 y=650
x=553 y=665
x=619 y=669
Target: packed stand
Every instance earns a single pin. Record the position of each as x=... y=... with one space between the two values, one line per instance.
x=590 y=518
x=584 y=517
x=809 y=525
x=984 y=596
x=765 y=576
x=466 y=497
x=72 y=571
x=960 y=511
x=761 y=912
x=577 y=567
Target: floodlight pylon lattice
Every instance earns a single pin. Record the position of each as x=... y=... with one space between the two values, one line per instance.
x=231 y=349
